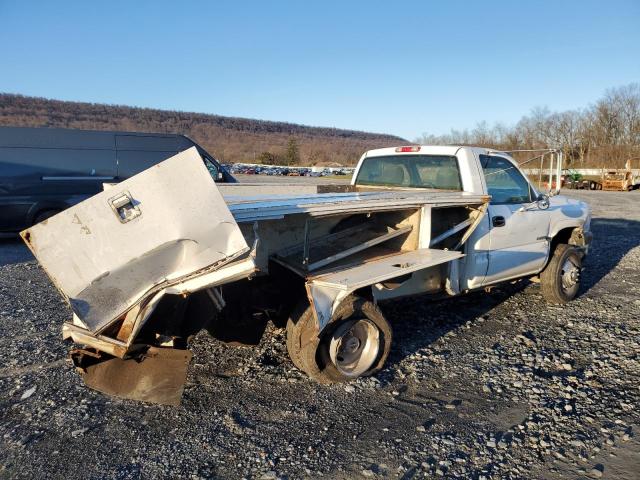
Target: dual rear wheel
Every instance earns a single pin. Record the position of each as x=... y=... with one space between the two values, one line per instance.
x=357 y=340
x=355 y=343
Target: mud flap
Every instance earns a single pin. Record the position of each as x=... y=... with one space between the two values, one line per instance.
x=157 y=377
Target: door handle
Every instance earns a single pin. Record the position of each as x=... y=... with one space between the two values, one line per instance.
x=498 y=221
x=125 y=207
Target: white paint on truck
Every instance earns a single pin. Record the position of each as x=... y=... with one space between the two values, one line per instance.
x=415 y=220
x=513 y=239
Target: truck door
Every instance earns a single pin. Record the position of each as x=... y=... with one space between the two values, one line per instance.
x=518 y=232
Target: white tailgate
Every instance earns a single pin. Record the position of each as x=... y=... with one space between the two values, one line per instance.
x=159 y=227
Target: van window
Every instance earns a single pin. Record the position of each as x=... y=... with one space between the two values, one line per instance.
x=29 y=164
x=146 y=143
x=132 y=162
x=214 y=171
x=138 y=152
x=416 y=171
x=505 y=183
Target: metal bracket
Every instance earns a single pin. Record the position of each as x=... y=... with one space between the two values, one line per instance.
x=307 y=233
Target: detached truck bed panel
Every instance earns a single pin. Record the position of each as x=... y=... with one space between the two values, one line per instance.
x=111 y=250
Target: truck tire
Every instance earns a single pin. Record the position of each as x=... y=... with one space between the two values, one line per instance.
x=355 y=343
x=294 y=333
x=560 y=280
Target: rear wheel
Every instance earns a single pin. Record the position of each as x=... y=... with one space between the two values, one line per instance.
x=560 y=280
x=355 y=343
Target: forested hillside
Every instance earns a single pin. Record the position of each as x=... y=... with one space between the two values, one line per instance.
x=603 y=134
x=230 y=139
x=606 y=133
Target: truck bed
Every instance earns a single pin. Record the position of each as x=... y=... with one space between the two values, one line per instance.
x=250 y=208
x=171 y=230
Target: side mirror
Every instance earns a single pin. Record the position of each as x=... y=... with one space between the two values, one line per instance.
x=543 y=201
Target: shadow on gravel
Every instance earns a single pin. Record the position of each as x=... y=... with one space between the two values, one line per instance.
x=612 y=240
x=13 y=250
x=418 y=323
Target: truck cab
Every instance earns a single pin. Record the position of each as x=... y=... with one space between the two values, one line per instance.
x=521 y=227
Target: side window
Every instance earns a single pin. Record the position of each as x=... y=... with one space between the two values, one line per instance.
x=504 y=182
x=214 y=171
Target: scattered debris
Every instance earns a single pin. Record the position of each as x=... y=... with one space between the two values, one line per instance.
x=28 y=393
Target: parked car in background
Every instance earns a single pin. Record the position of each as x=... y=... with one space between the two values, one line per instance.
x=46 y=170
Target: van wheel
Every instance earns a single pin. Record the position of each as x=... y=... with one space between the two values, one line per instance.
x=560 y=280
x=44 y=215
x=355 y=343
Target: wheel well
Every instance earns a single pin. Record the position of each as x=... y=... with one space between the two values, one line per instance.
x=40 y=207
x=570 y=236
x=563 y=236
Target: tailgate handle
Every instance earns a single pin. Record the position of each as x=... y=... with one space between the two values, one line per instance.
x=125 y=207
x=498 y=221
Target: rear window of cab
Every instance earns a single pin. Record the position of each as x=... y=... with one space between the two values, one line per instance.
x=413 y=171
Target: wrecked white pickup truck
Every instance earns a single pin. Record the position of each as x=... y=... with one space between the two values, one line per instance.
x=150 y=261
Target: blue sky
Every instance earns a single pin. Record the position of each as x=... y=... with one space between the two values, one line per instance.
x=395 y=67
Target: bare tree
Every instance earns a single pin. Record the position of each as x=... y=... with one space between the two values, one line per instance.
x=604 y=134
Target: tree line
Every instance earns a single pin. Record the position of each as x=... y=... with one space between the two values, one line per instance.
x=604 y=134
x=230 y=139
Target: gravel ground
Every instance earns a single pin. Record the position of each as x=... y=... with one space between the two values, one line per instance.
x=496 y=385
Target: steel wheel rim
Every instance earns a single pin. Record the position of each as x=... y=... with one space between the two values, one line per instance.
x=569 y=275
x=354 y=347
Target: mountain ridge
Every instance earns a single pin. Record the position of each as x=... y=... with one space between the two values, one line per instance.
x=231 y=139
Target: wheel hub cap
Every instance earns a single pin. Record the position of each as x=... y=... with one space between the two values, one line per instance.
x=354 y=347
x=570 y=275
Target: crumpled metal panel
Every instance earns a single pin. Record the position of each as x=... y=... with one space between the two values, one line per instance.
x=158 y=376
x=326 y=291
x=159 y=228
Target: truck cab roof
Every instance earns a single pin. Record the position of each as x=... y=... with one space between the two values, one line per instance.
x=429 y=150
x=467 y=168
